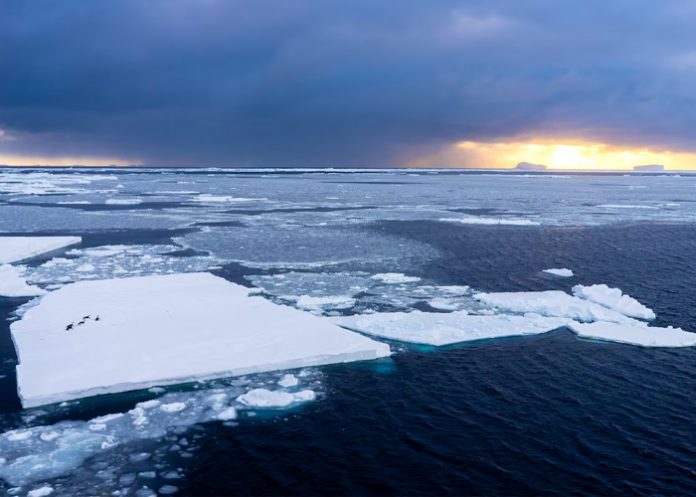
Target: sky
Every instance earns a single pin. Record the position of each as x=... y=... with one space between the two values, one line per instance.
x=348 y=83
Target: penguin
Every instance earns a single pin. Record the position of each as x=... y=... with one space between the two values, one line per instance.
x=85 y=317
x=81 y=322
x=69 y=327
x=97 y=318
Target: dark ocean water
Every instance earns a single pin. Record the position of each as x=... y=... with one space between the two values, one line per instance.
x=550 y=415
x=544 y=415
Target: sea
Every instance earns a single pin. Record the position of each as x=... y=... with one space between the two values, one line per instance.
x=549 y=414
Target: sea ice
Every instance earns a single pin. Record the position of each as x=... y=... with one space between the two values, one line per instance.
x=134 y=333
x=12 y=284
x=615 y=299
x=394 y=278
x=19 y=248
x=551 y=303
x=560 y=272
x=433 y=328
x=635 y=333
x=490 y=220
x=268 y=399
x=288 y=380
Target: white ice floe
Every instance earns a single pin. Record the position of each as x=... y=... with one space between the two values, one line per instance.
x=318 y=304
x=210 y=198
x=123 y=201
x=627 y=206
x=442 y=329
x=44 y=491
x=19 y=248
x=12 y=284
x=490 y=220
x=36 y=183
x=635 y=333
x=560 y=272
x=615 y=299
x=261 y=398
x=394 y=278
x=288 y=380
x=151 y=332
x=551 y=303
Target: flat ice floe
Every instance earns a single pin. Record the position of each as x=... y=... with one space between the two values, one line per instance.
x=97 y=337
x=19 y=248
x=635 y=333
x=490 y=221
x=439 y=329
x=560 y=272
x=12 y=284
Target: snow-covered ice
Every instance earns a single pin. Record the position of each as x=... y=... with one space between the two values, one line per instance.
x=12 y=284
x=635 y=333
x=447 y=328
x=151 y=332
x=19 y=248
x=560 y=272
x=551 y=303
x=394 y=278
x=268 y=399
x=615 y=299
x=288 y=380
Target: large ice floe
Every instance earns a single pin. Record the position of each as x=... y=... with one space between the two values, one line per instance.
x=597 y=312
x=19 y=248
x=107 y=336
x=12 y=284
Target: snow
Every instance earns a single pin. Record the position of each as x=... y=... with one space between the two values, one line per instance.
x=394 y=278
x=615 y=299
x=19 y=248
x=560 y=272
x=151 y=332
x=635 y=333
x=12 y=283
x=439 y=329
x=267 y=399
x=551 y=303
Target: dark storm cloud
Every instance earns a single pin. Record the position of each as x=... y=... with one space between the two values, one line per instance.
x=342 y=82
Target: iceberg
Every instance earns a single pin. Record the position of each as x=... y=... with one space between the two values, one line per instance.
x=19 y=248
x=12 y=284
x=435 y=328
x=560 y=272
x=615 y=299
x=394 y=278
x=107 y=336
x=635 y=333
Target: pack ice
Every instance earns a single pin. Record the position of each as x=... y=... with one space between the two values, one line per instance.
x=96 y=337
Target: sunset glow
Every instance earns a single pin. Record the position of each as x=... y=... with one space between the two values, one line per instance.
x=555 y=155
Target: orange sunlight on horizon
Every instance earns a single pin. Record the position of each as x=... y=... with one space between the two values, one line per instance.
x=568 y=154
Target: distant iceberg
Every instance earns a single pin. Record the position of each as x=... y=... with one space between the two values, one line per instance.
x=560 y=272
x=530 y=166
x=98 y=337
x=649 y=168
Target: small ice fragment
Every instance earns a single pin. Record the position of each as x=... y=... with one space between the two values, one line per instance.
x=394 y=278
x=48 y=436
x=227 y=414
x=168 y=489
x=267 y=399
x=147 y=474
x=560 y=272
x=288 y=380
x=41 y=491
x=173 y=407
x=17 y=435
